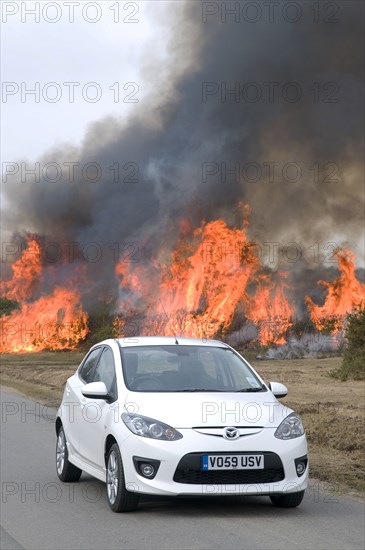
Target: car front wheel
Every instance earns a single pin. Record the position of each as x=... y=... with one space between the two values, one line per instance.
x=120 y=500
x=291 y=500
x=65 y=470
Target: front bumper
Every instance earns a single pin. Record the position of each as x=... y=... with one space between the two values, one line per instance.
x=179 y=470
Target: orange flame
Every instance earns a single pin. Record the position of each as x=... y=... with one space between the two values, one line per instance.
x=270 y=310
x=198 y=293
x=56 y=321
x=212 y=280
x=343 y=294
x=26 y=273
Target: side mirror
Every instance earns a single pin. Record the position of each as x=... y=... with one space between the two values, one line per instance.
x=95 y=390
x=279 y=390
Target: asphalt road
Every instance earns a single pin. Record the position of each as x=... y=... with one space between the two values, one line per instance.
x=39 y=512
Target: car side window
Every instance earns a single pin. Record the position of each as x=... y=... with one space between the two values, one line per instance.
x=86 y=371
x=105 y=372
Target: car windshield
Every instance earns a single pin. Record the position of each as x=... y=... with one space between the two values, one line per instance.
x=182 y=368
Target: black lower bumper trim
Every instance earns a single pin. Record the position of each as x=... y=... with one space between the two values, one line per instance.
x=189 y=470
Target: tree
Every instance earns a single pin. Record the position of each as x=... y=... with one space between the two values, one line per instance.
x=353 y=364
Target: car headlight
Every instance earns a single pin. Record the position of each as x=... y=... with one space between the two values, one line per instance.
x=148 y=427
x=290 y=427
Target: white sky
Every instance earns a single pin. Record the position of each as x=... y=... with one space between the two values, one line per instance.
x=104 y=52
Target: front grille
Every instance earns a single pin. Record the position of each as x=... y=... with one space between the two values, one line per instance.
x=189 y=471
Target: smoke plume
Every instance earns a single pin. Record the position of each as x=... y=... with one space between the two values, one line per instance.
x=183 y=140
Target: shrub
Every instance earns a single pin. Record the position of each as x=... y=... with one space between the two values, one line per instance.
x=101 y=333
x=100 y=323
x=353 y=364
x=7 y=306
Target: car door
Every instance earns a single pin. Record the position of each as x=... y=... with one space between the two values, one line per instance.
x=97 y=414
x=74 y=401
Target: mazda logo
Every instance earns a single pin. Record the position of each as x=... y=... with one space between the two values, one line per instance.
x=231 y=433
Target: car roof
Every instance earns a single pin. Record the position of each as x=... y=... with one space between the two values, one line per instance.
x=167 y=341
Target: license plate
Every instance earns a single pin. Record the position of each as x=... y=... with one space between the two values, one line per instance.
x=232 y=462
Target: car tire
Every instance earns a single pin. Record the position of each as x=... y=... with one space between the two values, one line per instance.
x=290 y=500
x=119 y=499
x=65 y=470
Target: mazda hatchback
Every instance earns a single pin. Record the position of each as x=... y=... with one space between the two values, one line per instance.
x=178 y=416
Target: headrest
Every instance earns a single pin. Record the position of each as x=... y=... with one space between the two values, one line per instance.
x=131 y=362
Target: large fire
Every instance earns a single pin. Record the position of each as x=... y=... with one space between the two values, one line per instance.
x=208 y=278
x=343 y=294
x=26 y=273
x=211 y=283
x=53 y=321
x=270 y=310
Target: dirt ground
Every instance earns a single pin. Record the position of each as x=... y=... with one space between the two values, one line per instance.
x=332 y=411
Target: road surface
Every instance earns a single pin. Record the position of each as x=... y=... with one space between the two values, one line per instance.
x=39 y=512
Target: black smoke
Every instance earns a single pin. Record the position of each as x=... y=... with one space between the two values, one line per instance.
x=180 y=130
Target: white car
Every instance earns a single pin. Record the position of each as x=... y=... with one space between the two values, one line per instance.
x=178 y=416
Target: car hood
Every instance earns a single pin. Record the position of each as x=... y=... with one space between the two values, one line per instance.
x=188 y=410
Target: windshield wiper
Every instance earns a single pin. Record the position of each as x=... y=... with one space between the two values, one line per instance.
x=244 y=390
x=197 y=390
